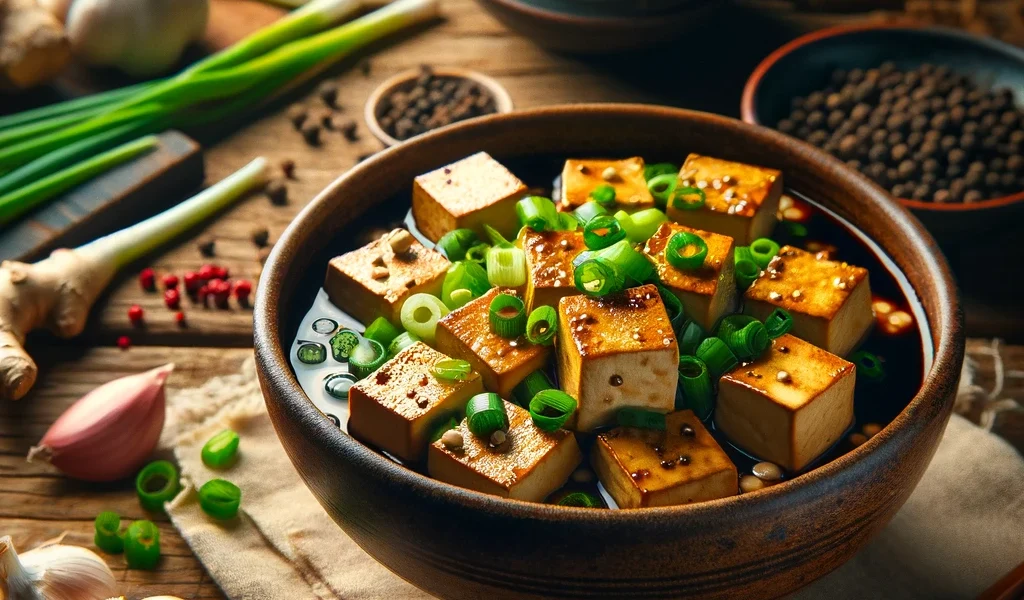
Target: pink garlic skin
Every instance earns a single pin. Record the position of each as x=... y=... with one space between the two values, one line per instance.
x=110 y=432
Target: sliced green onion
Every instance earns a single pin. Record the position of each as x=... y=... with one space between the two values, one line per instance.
x=108 y=537
x=695 y=382
x=581 y=257
x=157 y=483
x=142 y=545
x=598 y=277
x=221 y=450
x=366 y=358
x=632 y=264
x=602 y=231
x=463 y=275
x=550 y=409
x=662 y=187
x=456 y=242
x=652 y=171
x=311 y=353
x=444 y=426
x=220 y=499
x=689 y=198
x=526 y=389
x=640 y=418
x=674 y=308
x=604 y=195
x=745 y=269
x=568 y=222
x=342 y=344
x=793 y=230
x=581 y=500
x=507 y=315
x=420 y=314
x=626 y=223
x=403 y=341
x=778 y=323
x=869 y=366
x=690 y=337
x=381 y=330
x=644 y=223
x=744 y=335
x=763 y=250
x=537 y=213
x=588 y=210
x=452 y=369
x=542 y=325
x=506 y=267
x=717 y=356
x=497 y=239
x=485 y=414
x=478 y=253
x=686 y=251
x=337 y=385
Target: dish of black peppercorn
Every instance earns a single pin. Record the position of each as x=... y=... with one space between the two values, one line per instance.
x=433 y=101
x=927 y=134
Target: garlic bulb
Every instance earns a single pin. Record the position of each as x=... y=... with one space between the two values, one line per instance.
x=55 y=572
x=139 y=37
x=111 y=431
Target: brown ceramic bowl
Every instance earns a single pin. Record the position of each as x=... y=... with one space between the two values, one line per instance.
x=457 y=543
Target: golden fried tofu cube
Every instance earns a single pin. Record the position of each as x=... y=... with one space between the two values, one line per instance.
x=580 y=177
x=374 y=281
x=530 y=465
x=397 y=407
x=614 y=352
x=681 y=465
x=549 y=256
x=830 y=301
x=706 y=293
x=741 y=200
x=466 y=333
x=790 y=405
x=467 y=194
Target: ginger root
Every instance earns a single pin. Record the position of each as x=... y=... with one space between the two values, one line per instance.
x=33 y=45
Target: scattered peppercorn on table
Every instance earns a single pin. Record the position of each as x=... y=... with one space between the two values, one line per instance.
x=37 y=503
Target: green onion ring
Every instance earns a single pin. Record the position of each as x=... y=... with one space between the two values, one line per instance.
x=588 y=210
x=680 y=201
x=220 y=499
x=401 y=342
x=478 y=253
x=142 y=545
x=717 y=356
x=382 y=331
x=604 y=195
x=161 y=475
x=632 y=264
x=542 y=325
x=109 y=536
x=763 y=250
x=598 y=277
x=550 y=409
x=673 y=306
x=456 y=242
x=652 y=171
x=507 y=315
x=778 y=323
x=485 y=414
x=221 y=450
x=645 y=223
x=537 y=213
x=580 y=500
x=506 y=267
x=526 y=389
x=744 y=335
x=662 y=187
x=420 y=314
x=568 y=222
x=367 y=358
x=690 y=336
x=745 y=269
x=342 y=344
x=602 y=231
x=869 y=366
x=695 y=382
x=452 y=369
x=463 y=275
x=686 y=251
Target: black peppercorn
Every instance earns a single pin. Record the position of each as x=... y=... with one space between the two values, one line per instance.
x=878 y=153
x=835 y=118
x=818 y=138
x=899 y=152
x=921 y=192
x=956 y=156
x=930 y=165
x=848 y=146
x=907 y=169
x=898 y=190
x=816 y=119
x=973 y=196
x=941 y=196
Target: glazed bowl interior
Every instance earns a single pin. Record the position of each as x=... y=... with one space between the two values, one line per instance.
x=398 y=515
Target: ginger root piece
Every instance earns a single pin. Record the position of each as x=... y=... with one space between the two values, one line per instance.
x=33 y=44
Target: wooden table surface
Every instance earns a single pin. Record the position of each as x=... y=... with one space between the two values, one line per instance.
x=36 y=503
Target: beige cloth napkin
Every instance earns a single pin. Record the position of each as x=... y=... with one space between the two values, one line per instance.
x=961 y=530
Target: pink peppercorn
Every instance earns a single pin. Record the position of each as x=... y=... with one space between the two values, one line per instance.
x=170 y=282
x=242 y=290
x=221 y=273
x=147 y=279
x=124 y=342
x=192 y=282
x=208 y=272
x=180 y=318
x=135 y=314
x=221 y=291
x=172 y=298
x=203 y=294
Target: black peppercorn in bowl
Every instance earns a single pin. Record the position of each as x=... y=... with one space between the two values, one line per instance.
x=933 y=115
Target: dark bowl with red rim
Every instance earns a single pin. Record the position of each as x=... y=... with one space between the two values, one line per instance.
x=457 y=543
x=804 y=64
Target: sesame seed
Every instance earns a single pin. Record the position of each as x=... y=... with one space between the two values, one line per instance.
x=784 y=376
x=609 y=174
x=774 y=296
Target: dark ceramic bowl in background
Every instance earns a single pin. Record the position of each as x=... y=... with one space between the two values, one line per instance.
x=456 y=543
x=805 y=64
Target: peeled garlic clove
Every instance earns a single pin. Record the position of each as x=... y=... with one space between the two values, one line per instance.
x=55 y=572
x=111 y=431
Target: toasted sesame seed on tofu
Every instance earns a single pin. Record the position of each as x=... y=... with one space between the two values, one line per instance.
x=830 y=301
x=707 y=293
x=397 y=407
x=375 y=280
x=529 y=465
x=580 y=178
x=680 y=465
x=790 y=405
x=466 y=333
x=616 y=351
x=741 y=200
x=549 y=256
x=468 y=193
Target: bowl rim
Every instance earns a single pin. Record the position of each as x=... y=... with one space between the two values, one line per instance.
x=748 y=102
x=945 y=327
x=537 y=12
x=502 y=99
